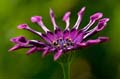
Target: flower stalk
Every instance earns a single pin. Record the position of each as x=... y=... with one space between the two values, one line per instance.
x=66 y=70
x=65 y=63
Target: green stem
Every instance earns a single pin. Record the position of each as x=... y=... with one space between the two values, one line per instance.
x=66 y=70
x=65 y=62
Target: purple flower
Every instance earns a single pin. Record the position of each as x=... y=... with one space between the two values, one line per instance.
x=61 y=41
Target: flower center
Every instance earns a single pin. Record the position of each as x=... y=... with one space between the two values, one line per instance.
x=63 y=43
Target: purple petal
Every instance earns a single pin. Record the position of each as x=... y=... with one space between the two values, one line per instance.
x=26 y=27
x=79 y=36
x=58 y=54
x=103 y=39
x=20 y=40
x=58 y=33
x=52 y=16
x=96 y=16
x=32 y=50
x=98 y=40
x=46 y=38
x=17 y=46
x=14 y=39
x=37 y=43
x=80 y=14
x=66 y=34
x=45 y=52
x=102 y=23
x=100 y=26
x=73 y=33
x=93 y=42
x=82 y=44
x=38 y=20
x=14 y=47
x=66 y=18
x=93 y=19
x=51 y=36
x=23 y=26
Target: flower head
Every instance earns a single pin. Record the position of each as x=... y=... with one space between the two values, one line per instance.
x=60 y=41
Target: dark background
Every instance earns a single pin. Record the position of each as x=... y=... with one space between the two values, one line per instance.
x=96 y=62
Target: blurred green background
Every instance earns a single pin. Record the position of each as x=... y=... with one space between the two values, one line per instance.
x=96 y=62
